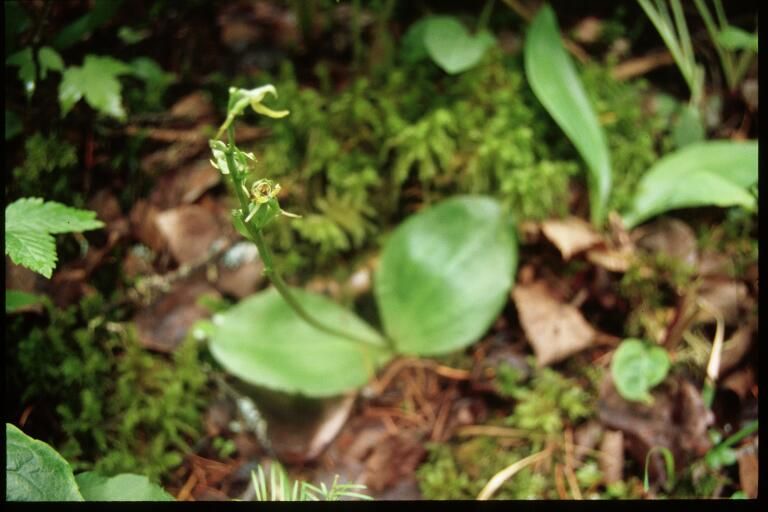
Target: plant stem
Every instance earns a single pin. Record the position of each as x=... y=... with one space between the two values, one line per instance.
x=266 y=255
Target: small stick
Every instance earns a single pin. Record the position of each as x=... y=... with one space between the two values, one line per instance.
x=505 y=474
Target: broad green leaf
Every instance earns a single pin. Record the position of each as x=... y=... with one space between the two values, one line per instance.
x=450 y=45
x=734 y=38
x=637 y=367
x=553 y=79
x=123 y=487
x=97 y=82
x=15 y=299
x=412 y=48
x=445 y=274
x=713 y=173
x=49 y=59
x=264 y=342
x=36 y=472
x=29 y=223
x=12 y=125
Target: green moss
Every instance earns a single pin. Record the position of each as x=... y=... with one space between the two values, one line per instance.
x=348 y=161
x=651 y=282
x=46 y=170
x=119 y=407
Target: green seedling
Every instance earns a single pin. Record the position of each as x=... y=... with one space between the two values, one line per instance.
x=637 y=367
x=669 y=466
x=723 y=454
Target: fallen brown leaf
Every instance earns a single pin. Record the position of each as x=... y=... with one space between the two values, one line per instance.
x=554 y=329
x=727 y=297
x=189 y=230
x=748 y=479
x=571 y=235
x=611 y=259
x=671 y=237
x=163 y=325
x=677 y=419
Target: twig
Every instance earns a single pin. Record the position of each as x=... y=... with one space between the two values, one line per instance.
x=641 y=65
x=505 y=474
x=491 y=431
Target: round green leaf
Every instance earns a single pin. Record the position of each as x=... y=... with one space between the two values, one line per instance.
x=264 y=342
x=452 y=47
x=637 y=367
x=124 y=487
x=36 y=472
x=445 y=275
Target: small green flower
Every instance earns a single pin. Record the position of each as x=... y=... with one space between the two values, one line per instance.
x=240 y=99
x=219 y=150
x=264 y=206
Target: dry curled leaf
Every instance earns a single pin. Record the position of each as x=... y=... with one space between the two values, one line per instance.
x=571 y=235
x=554 y=329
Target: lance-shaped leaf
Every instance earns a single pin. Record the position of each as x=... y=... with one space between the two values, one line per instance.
x=713 y=173
x=553 y=79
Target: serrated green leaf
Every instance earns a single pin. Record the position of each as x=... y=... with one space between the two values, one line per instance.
x=553 y=79
x=36 y=472
x=97 y=82
x=49 y=59
x=29 y=223
x=264 y=342
x=637 y=367
x=712 y=173
x=445 y=275
x=123 y=487
x=15 y=300
x=450 y=45
x=734 y=38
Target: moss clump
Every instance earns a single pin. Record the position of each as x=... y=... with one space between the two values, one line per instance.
x=119 y=407
x=35 y=176
x=350 y=162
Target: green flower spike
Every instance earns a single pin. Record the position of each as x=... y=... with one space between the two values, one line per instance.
x=239 y=99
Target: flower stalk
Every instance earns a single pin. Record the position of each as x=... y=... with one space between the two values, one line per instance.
x=259 y=206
